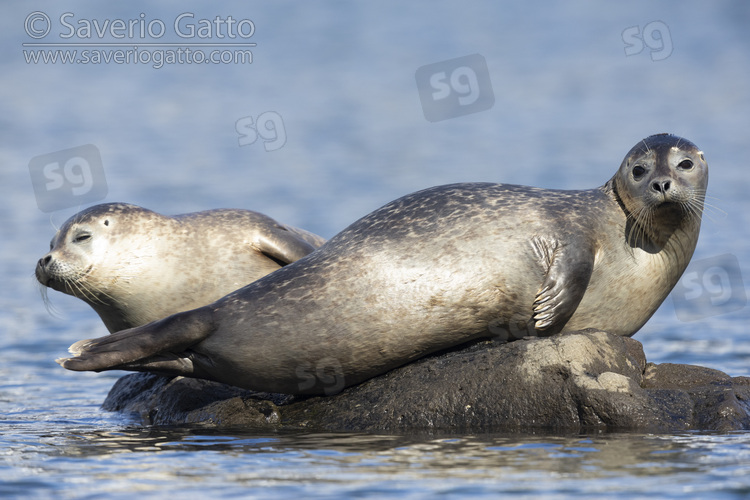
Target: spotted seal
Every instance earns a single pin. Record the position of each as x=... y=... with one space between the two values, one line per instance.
x=134 y=266
x=438 y=268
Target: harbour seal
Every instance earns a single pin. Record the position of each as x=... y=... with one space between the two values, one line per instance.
x=436 y=269
x=134 y=266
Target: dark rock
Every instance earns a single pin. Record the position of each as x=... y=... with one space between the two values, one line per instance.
x=720 y=402
x=582 y=381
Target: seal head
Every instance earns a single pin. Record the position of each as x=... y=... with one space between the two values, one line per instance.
x=134 y=266
x=661 y=185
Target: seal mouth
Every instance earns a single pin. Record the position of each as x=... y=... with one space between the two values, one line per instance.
x=43 y=277
x=672 y=209
x=63 y=283
x=667 y=205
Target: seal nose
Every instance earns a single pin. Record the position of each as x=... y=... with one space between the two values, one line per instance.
x=44 y=261
x=42 y=272
x=660 y=186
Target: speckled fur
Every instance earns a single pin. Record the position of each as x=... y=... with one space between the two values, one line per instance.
x=137 y=266
x=436 y=269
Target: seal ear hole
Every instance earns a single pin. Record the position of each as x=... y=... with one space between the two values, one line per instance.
x=638 y=172
x=106 y=222
x=685 y=165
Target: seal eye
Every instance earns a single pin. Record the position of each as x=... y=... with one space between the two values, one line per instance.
x=80 y=238
x=685 y=165
x=638 y=171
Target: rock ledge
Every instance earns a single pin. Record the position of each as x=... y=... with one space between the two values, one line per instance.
x=577 y=382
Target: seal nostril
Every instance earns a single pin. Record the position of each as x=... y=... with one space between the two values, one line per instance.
x=45 y=260
x=661 y=187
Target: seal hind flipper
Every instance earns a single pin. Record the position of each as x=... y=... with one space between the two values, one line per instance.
x=173 y=334
x=183 y=364
x=568 y=273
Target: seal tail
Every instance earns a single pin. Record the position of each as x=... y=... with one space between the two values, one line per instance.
x=175 y=333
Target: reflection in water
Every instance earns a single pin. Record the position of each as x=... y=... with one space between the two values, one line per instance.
x=155 y=459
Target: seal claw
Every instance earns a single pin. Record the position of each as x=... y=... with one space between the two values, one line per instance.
x=542 y=309
x=541 y=299
x=79 y=347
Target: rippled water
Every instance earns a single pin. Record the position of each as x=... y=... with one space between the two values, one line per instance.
x=568 y=104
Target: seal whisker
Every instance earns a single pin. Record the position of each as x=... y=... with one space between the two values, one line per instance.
x=86 y=291
x=694 y=208
x=51 y=310
x=52 y=223
x=710 y=210
x=640 y=227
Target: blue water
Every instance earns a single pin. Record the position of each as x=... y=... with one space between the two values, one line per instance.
x=338 y=83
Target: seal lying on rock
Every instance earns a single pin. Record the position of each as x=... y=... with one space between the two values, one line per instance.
x=573 y=382
x=436 y=269
x=134 y=266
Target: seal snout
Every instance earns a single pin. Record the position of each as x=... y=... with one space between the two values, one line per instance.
x=42 y=270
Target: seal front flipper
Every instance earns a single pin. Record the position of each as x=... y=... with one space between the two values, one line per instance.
x=173 y=334
x=283 y=245
x=569 y=267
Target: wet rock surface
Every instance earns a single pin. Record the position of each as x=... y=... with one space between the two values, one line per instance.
x=581 y=381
